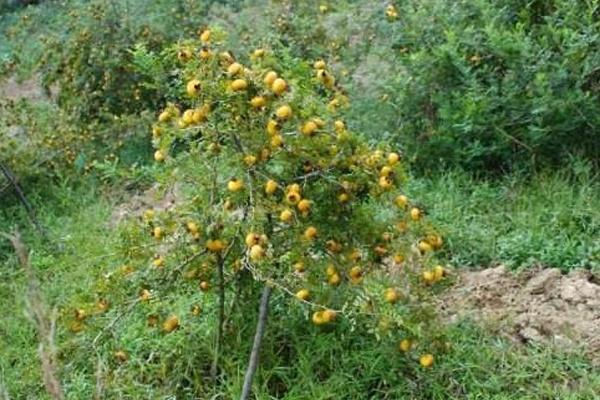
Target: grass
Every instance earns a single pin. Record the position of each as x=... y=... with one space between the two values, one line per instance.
x=298 y=361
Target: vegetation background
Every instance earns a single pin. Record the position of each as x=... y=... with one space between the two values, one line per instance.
x=494 y=106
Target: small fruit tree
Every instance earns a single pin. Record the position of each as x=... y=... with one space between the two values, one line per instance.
x=280 y=189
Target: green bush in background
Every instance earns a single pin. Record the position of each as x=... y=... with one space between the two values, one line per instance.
x=494 y=86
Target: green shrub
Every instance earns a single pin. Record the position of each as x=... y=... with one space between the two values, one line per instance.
x=492 y=86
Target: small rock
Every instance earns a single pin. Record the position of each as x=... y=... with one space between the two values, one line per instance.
x=543 y=281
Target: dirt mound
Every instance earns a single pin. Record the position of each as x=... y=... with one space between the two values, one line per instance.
x=541 y=305
x=152 y=198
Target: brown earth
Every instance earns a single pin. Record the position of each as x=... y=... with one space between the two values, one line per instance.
x=537 y=306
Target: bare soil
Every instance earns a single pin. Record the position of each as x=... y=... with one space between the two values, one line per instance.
x=536 y=306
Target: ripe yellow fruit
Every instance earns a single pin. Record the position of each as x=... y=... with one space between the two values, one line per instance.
x=215 y=245
x=299 y=267
x=286 y=215
x=294 y=187
x=184 y=55
x=239 y=85
x=438 y=272
x=192 y=227
x=205 y=36
x=276 y=141
x=393 y=158
x=271 y=186
x=145 y=295
x=310 y=233
x=355 y=272
x=335 y=279
x=80 y=314
x=188 y=117
x=435 y=241
x=250 y=159
x=279 y=86
x=121 y=356
x=398 y=258
x=424 y=247
x=196 y=310
x=159 y=155
x=426 y=360
x=428 y=276
x=415 y=214
x=339 y=125
x=235 y=69
x=270 y=77
x=235 y=185
x=158 y=262
x=323 y=8
x=391 y=295
x=258 y=53
x=386 y=171
x=329 y=315
x=205 y=53
x=257 y=252
x=330 y=270
x=385 y=182
x=292 y=197
x=258 y=102
x=320 y=64
x=252 y=238
x=303 y=294
x=309 y=128
x=343 y=197
x=401 y=201
x=204 y=286
x=405 y=345
x=193 y=87
x=304 y=205
x=326 y=78
x=272 y=127
x=317 y=318
x=171 y=324
x=333 y=246
x=284 y=112
x=156 y=131
x=157 y=232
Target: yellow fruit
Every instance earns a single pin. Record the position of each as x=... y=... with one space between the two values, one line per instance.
x=235 y=185
x=323 y=8
x=343 y=197
x=424 y=247
x=188 y=117
x=252 y=238
x=204 y=286
x=401 y=201
x=215 y=245
x=272 y=127
x=299 y=267
x=271 y=186
x=398 y=258
x=250 y=159
x=435 y=241
x=156 y=131
x=270 y=77
x=317 y=318
x=257 y=252
x=339 y=125
x=171 y=324
x=386 y=171
x=145 y=295
x=405 y=345
x=193 y=87
x=326 y=78
x=239 y=85
x=258 y=53
x=102 y=305
x=428 y=276
x=80 y=314
x=226 y=58
x=158 y=262
x=258 y=102
x=391 y=295
x=192 y=227
x=235 y=69
x=286 y=216
x=184 y=55
x=415 y=214
x=320 y=64
x=304 y=205
x=276 y=141
x=335 y=279
x=310 y=233
x=294 y=187
x=333 y=246
x=309 y=128
x=426 y=360
x=355 y=272
x=159 y=155
x=438 y=272
x=120 y=356
x=205 y=36
x=284 y=112
x=385 y=182
x=303 y=294
x=292 y=197
x=393 y=158
x=157 y=232
x=329 y=315
x=205 y=53
x=196 y=310
x=279 y=86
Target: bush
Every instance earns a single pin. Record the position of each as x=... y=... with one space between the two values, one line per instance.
x=494 y=86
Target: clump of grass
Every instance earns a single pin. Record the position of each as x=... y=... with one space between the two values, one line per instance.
x=552 y=219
